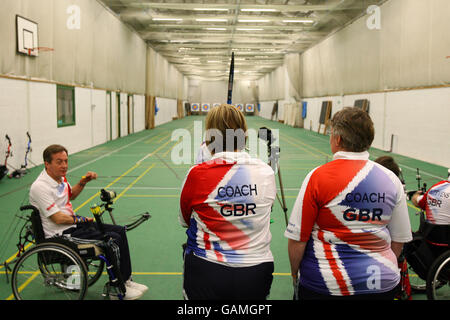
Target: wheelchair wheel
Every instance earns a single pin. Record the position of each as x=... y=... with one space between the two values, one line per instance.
x=49 y=272
x=438 y=280
x=95 y=270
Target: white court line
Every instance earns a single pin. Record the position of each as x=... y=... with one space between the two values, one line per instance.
x=421 y=171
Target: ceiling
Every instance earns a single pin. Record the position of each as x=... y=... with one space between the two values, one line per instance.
x=198 y=36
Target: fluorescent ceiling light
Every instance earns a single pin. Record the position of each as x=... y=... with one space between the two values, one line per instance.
x=245 y=20
x=216 y=28
x=214 y=61
x=299 y=21
x=167 y=19
x=212 y=20
x=210 y=9
x=260 y=10
x=249 y=29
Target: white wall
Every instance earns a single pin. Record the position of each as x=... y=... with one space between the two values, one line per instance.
x=14 y=119
x=266 y=109
x=31 y=106
x=99 y=124
x=408 y=50
x=114 y=116
x=217 y=92
x=167 y=109
x=139 y=113
x=123 y=114
x=418 y=119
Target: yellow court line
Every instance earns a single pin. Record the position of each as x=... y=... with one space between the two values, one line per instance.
x=162 y=138
x=109 y=185
x=160 y=147
x=157 y=136
x=25 y=284
x=131 y=184
x=152 y=153
x=170 y=149
x=15 y=255
x=412 y=206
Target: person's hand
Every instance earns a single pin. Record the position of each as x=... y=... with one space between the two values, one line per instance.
x=90 y=175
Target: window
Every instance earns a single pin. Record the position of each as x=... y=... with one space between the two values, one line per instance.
x=65 y=106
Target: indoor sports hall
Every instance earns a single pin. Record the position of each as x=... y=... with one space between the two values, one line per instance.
x=125 y=86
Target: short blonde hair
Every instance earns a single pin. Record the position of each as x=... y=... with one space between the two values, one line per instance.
x=227 y=122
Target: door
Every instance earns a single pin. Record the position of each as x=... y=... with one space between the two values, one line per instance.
x=130 y=104
x=118 y=114
x=108 y=116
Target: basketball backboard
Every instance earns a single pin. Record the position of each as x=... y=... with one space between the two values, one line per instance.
x=27 y=36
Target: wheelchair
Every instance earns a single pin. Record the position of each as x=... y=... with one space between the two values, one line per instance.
x=428 y=255
x=63 y=267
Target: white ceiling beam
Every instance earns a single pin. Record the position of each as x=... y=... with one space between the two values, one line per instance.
x=263 y=19
x=220 y=35
x=227 y=27
x=280 y=8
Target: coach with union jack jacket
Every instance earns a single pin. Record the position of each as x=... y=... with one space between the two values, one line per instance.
x=225 y=205
x=350 y=220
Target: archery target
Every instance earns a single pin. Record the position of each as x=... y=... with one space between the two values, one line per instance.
x=205 y=107
x=249 y=107
x=195 y=107
x=240 y=107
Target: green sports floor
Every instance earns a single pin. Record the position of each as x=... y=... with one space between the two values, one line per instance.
x=139 y=168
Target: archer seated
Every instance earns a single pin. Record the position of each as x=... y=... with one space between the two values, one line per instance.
x=51 y=193
x=433 y=237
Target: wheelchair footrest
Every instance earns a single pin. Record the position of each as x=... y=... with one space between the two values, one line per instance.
x=112 y=292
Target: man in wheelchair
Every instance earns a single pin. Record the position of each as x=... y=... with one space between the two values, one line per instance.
x=51 y=193
x=433 y=237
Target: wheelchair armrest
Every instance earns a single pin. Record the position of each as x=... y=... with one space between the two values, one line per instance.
x=29 y=207
x=86 y=249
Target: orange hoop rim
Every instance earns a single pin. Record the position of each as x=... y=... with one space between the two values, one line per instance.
x=39 y=49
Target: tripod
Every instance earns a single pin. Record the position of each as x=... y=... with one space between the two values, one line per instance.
x=265 y=134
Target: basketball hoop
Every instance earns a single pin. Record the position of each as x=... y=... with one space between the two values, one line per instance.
x=35 y=51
